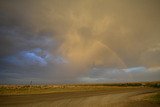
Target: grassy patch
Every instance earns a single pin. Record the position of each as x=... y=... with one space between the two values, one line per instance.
x=155 y=98
x=39 y=89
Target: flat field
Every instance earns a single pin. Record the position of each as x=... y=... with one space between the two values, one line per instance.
x=97 y=95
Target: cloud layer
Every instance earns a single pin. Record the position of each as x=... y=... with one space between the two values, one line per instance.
x=64 y=41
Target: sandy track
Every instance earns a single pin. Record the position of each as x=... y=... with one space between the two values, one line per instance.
x=113 y=98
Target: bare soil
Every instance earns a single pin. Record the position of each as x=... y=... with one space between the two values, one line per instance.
x=116 y=97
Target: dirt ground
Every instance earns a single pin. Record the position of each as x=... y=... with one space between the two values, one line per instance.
x=122 y=97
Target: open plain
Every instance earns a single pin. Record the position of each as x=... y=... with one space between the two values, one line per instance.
x=85 y=96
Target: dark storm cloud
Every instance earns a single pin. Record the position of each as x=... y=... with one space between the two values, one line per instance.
x=60 y=40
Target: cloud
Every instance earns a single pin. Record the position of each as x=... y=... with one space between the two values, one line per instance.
x=154 y=69
x=36 y=57
x=26 y=58
x=67 y=39
x=32 y=58
x=134 y=74
x=91 y=80
x=135 y=69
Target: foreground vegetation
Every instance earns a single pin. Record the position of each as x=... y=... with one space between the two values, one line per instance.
x=155 y=98
x=39 y=89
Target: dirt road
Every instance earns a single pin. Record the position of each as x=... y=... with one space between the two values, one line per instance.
x=122 y=97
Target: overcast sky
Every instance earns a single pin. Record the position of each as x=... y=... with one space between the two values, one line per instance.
x=79 y=41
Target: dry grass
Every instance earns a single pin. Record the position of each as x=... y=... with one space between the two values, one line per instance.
x=154 y=98
x=39 y=89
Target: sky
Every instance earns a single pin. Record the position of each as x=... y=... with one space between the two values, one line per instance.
x=79 y=41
